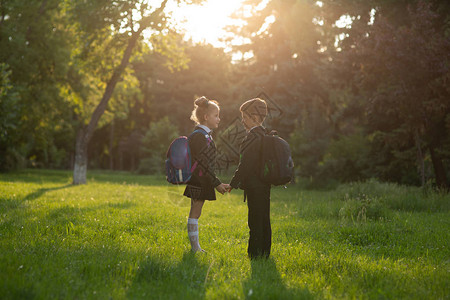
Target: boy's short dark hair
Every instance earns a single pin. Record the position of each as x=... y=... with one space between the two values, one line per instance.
x=255 y=108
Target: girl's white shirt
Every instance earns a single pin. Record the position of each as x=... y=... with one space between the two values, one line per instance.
x=206 y=128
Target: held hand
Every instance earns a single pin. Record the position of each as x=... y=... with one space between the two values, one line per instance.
x=227 y=188
x=230 y=188
x=222 y=188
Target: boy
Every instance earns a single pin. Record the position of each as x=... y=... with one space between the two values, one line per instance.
x=247 y=177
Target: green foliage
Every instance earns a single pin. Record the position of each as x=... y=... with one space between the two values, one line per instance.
x=9 y=121
x=394 y=196
x=309 y=142
x=8 y=102
x=33 y=43
x=347 y=159
x=362 y=208
x=172 y=93
x=364 y=100
x=124 y=236
x=154 y=146
x=408 y=101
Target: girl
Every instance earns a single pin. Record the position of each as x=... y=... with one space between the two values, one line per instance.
x=203 y=152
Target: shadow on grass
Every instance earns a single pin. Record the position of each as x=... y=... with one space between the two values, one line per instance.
x=265 y=282
x=103 y=273
x=42 y=191
x=157 y=280
x=36 y=176
x=11 y=204
x=41 y=176
x=128 y=178
x=79 y=213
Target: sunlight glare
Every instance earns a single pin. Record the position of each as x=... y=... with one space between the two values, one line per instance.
x=345 y=21
x=269 y=20
x=373 y=11
x=205 y=23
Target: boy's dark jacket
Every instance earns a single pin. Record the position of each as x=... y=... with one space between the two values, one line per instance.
x=247 y=175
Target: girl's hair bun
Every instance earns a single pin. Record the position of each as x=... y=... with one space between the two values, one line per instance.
x=201 y=107
x=201 y=102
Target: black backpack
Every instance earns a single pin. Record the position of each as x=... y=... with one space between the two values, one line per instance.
x=276 y=160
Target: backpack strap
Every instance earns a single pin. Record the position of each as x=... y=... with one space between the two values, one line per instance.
x=261 y=149
x=209 y=140
x=201 y=130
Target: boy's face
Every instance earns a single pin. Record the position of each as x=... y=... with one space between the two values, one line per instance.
x=248 y=121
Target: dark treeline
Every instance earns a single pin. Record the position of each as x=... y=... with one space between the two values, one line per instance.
x=360 y=89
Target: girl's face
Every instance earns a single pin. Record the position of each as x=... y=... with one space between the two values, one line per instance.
x=212 y=119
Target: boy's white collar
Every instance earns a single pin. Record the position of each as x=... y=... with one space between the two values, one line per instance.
x=253 y=127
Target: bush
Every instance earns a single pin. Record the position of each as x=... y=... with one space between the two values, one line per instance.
x=363 y=208
x=154 y=146
x=370 y=194
x=346 y=159
x=10 y=156
x=371 y=187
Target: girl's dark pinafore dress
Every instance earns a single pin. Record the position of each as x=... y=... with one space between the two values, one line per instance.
x=204 y=180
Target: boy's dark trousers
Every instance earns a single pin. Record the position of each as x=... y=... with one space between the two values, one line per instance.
x=260 y=241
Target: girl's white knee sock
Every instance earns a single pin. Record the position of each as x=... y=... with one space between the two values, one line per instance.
x=192 y=227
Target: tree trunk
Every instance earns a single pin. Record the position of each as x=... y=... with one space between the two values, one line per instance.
x=80 y=165
x=439 y=171
x=111 y=138
x=120 y=160
x=85 y=134
x=420 y=159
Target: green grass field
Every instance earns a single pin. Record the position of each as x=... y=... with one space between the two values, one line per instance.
x=123 y=236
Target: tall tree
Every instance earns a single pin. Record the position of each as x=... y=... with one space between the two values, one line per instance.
x=119 y=21
x=9 y=120
x=338 y=66
x=288 y=62
x=405 y=69
x=33 y=43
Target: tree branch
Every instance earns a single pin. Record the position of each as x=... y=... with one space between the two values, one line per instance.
x=3 y=13
x=100 y=109
x=41 y=12
x=130 y=20
x=145 y=22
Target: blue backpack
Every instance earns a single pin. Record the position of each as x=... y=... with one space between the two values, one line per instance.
x=179 y=167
